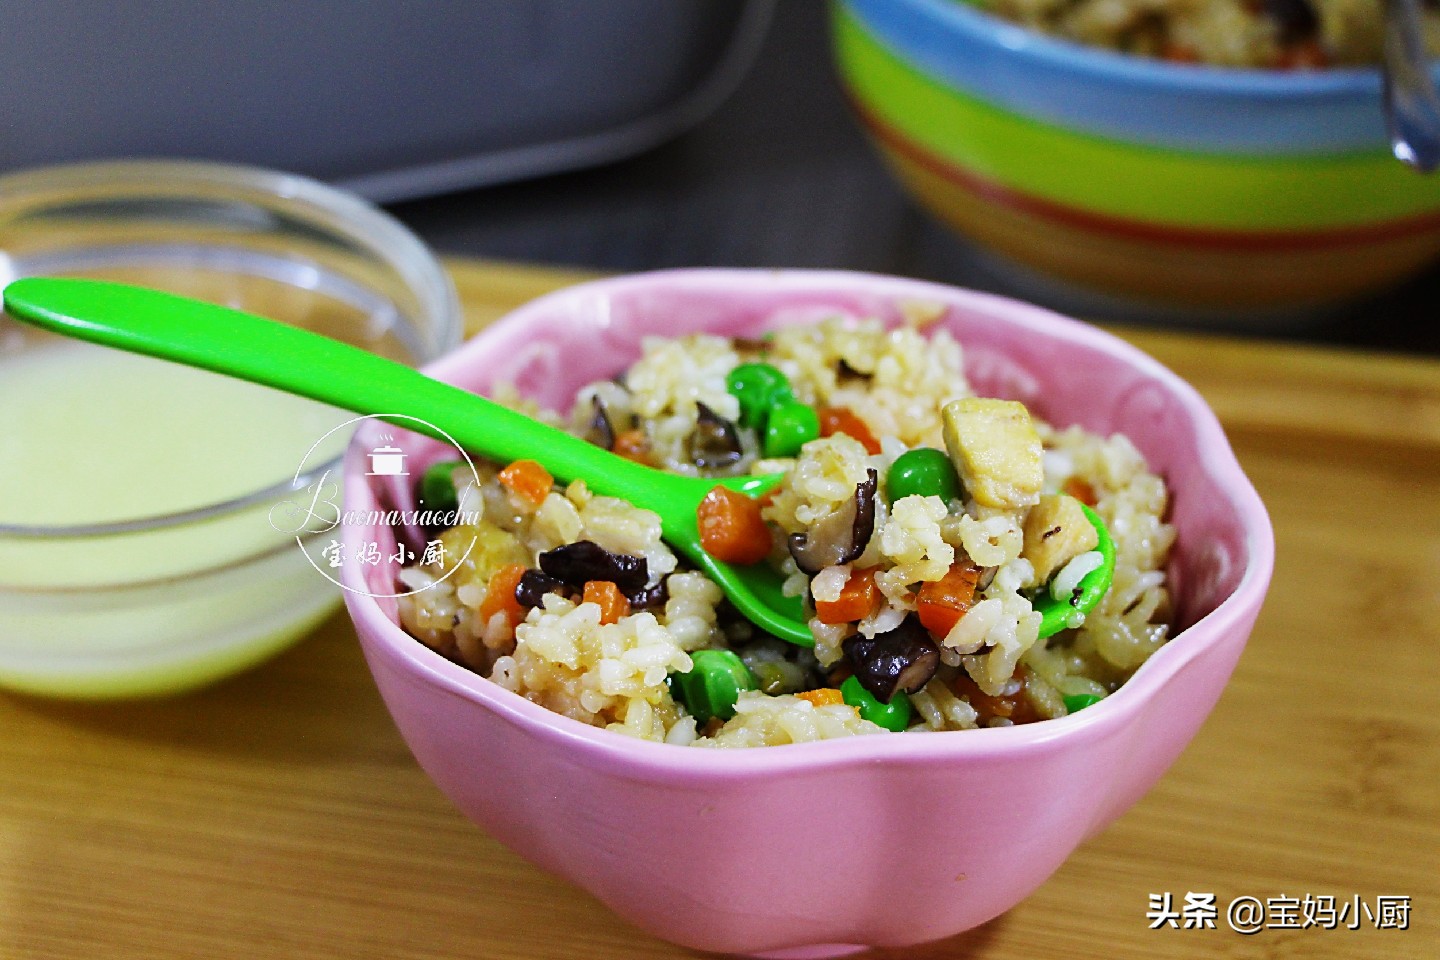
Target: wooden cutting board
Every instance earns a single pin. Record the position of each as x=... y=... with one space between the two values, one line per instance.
x=279 y=815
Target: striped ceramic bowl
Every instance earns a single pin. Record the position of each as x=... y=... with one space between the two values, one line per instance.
x=1166 y=183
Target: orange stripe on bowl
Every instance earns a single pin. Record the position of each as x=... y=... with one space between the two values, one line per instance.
x=1219 y=278
x=1252 y=240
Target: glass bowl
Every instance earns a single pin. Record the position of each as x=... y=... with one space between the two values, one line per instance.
x=137 y=552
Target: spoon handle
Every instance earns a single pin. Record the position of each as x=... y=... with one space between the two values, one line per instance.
x=228 y=341
x=297 y=361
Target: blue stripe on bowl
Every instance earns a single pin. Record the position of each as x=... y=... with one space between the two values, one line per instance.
x=1199 y=108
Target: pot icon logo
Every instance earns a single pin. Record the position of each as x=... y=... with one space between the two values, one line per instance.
x=387 y=461
x=403 y=536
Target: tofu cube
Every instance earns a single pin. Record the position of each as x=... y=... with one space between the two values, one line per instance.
x=1056 y=532
x=996 y=451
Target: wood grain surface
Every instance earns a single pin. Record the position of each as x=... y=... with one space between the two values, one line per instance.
x=279 y=815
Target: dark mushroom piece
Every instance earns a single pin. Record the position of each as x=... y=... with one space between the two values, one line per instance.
x=600 y=431
x=576 y=564
x=654 y=595
x=987 y=577
x=1295 y=20
x=715 y=443
x=533 y=586
x=841 y=536
x=900 y=661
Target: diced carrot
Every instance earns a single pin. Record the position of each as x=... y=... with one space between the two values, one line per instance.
x=613 y=603
x=731 y=528
x=824 y=697
x=1015 y=707
x=500 y=594
x=527 y=480
x=858 y=599
x=1305 y=55
x=1080 y=489
x=632 y=445
x=1180 y=53
x=843 y=420
x=941 y=603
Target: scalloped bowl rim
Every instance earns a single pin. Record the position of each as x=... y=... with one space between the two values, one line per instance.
x=1101 y=63
x=604 y=746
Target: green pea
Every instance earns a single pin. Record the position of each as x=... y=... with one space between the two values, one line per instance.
x=790 y=425
x=758 y=387
x=924 y=471
x=1079 y=701
x=712 y=685
x=894 y=715
x=437 y=487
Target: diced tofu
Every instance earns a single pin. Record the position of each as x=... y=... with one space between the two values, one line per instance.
x=1056 y=532
x=995 y=450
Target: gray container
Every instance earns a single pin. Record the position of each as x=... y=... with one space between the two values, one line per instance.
x=390 y=99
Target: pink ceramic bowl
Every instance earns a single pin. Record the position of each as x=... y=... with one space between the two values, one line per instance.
x=818 y=849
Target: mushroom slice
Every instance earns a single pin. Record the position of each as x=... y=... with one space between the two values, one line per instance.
x=715 y=443
x=1295 y=20
x=533 y=586
x=900 y=661
x=656 y=594
x=576 y=564
x=600 y=431
x=841 y=535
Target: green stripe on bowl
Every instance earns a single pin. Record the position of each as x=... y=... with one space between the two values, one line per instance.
x=1143 y=183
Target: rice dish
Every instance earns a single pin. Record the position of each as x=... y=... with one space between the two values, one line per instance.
x=1275 y=34
x=923 y=529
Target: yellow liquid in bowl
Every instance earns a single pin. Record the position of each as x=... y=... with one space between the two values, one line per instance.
x=90 y=435
x=93 y=435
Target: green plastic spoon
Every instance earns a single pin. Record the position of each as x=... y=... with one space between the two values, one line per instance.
x=1056 y=614
x=263 y=351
